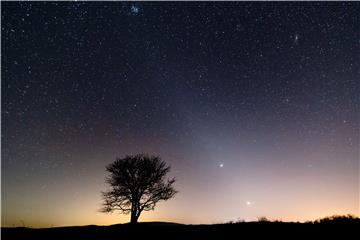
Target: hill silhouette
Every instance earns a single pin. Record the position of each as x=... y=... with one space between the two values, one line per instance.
x=341 y=227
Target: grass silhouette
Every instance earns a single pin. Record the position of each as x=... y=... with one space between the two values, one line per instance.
x=329 y=227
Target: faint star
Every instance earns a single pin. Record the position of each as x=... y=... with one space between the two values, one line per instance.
x=296 y=38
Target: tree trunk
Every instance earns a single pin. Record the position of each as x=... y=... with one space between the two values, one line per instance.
x=134 y=215
x=134 y=218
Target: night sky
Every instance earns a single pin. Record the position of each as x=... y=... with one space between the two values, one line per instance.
x=254 y=105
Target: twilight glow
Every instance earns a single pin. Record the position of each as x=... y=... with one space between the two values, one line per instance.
x=253 y=104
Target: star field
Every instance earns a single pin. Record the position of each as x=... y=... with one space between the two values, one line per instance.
x=252 y=103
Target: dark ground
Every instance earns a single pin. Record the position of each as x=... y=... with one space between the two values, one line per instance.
x=158 y=230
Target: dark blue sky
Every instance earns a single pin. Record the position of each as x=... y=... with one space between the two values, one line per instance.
x=249 y=102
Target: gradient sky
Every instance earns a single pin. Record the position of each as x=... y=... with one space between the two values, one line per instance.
x=254 y=105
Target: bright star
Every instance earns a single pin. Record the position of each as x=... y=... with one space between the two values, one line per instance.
x=248 y=203
x=221 y=165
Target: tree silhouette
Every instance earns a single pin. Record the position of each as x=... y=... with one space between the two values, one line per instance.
x=137 y=183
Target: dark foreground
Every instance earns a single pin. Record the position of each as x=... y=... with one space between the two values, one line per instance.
x=270 y=230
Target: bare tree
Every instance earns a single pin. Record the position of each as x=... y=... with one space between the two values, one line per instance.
x=137 y=183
